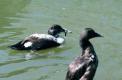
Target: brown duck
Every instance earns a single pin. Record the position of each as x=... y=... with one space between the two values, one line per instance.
x=84 y=66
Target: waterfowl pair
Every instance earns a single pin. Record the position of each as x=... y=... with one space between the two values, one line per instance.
x=84 y=66
x=42 y=41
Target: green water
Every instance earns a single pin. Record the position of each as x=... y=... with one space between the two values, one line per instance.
x=20 y=18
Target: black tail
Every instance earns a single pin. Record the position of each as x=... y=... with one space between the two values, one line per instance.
x=17 y=46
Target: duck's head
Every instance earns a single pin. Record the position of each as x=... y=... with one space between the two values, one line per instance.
x=56 y=29
x=89 y=33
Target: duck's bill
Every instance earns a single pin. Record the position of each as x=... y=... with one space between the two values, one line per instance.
x=98 y=35
x=67 y=31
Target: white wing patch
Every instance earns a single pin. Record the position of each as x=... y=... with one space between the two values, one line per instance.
x=28 y=44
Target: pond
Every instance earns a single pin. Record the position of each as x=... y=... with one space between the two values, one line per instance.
x=20 y=18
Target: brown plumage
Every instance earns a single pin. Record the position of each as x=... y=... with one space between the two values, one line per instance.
x=84 y=66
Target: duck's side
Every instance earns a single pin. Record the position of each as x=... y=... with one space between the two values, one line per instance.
x=84 y=66
x=37 y=42
x=42 y=41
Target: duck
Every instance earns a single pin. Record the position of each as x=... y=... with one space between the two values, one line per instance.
x=38 y=41
x=84 y=66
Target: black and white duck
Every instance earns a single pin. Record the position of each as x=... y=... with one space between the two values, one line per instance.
x=42 y=41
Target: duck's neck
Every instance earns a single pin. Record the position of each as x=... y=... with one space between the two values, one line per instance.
x=86 y=47
x=56 y=36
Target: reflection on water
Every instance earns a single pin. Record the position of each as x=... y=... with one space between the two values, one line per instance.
x=20 y=18
x=8 y=11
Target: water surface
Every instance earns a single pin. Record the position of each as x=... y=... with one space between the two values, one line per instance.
x=20 y=18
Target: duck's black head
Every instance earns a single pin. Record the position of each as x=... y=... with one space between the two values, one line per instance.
x=56 y=29
x=89 y=33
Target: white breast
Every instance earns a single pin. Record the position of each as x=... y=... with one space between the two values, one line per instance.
x=60 y=40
